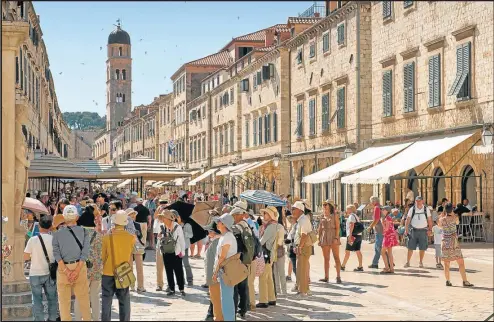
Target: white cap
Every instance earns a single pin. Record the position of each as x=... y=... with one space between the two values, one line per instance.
x=119 y=218
x=70 y=213
x=43 y=194
x=299 y=205
x=139 y=200
x=241 y=204
x=237 y=211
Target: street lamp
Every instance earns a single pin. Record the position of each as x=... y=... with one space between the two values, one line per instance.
x=202 y=168
x=347 y=153
x=487 y=136
x=276 y=161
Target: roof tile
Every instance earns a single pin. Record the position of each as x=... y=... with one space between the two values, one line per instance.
x=221 y=58
x=303 y=20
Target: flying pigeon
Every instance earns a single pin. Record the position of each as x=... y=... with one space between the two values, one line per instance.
x=82 y=63
x=140 y=39
x=102 y=29
x=100 y=48
x=60 y=73
x=145 y=53
x=238 y=18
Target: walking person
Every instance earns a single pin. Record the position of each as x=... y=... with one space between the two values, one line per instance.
x=378 y=231
x=117 y=249
x=173 y=249
x=71 y=251
x=390 y=240
x=438 y=236
x=450 y=246
x=279 y=275
x=106 y=221
x=227 y=247
x=138 y=252
x=188 y=234
x=329 y=239
x=354 y=239
x=143 y=218
x=214 y=312
x=290 y=241
x=268 y=233
x=160 y=266
x=91 y=221
x=418 y=226
x=39 y=250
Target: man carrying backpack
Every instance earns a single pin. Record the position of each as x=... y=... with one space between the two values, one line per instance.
x=418 y=226
x=245 y=246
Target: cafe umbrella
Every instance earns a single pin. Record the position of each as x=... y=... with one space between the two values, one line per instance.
x=185 y=210
x=262 y=197
x=201 y=213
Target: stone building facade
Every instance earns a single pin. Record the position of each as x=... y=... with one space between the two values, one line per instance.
x=423 y=47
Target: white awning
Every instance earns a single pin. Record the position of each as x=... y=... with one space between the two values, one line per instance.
x=149 y=183
x=365 y=158
x=416 y=154
x=157 y=184
x=203 y=176
x=253 y=166
x=226 y=171
x=124 y=183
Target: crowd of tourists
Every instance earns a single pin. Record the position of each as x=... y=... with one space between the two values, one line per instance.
x=93 y=248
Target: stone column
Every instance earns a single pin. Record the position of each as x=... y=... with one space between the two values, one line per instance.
x=14 y=163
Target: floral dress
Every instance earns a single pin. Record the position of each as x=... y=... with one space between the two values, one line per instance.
x=390 y=238
x=327 y=231
x=95 y=256
x=450 y=246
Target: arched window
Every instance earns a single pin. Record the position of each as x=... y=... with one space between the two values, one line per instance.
x=119 y=51
x=469 y=186
x=117 y=74
x=438 y=186
x=412 y=183
x=124 y=74
x=302 y=185
x=273 y=186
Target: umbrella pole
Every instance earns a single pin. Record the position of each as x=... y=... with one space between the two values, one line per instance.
x=142 y=188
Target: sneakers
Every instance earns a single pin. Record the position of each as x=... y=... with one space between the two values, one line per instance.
x=467 y=284
x=170 y=293
x=325 y=280
x=159 y=289
x=448 y=283
x=262 y=305
x=359 y=269
x=439 y=266
x=407 y=265
x=374 y=266
x=182 y=293
x=204 y=286
x=421 y=265
x=190 y=284
x=141 y=290
x=272 y=303
x=338 y=280
x=342 y=268
x=167 y=290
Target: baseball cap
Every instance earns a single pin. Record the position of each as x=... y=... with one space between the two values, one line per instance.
x=237 y=211
x=419 y=198
x=299 y=205
x=70 y=213
x=139 y=200
x=241 y=204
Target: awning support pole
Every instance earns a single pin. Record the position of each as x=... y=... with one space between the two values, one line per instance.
x=464 y=154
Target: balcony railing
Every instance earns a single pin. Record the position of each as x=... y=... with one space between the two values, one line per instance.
x=315 y=10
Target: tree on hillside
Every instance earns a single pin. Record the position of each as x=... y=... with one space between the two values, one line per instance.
x=84 y=120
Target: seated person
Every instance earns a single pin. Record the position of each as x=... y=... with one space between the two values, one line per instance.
x=396 y=215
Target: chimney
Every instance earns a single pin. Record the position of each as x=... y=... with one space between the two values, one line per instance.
x=269 y=38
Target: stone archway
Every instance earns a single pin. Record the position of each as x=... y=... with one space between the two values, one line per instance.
x=469 y=185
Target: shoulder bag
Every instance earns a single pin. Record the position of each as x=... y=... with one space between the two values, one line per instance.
x=88 y=262
x=51 y=266
x=234 y=271
x=123 y=274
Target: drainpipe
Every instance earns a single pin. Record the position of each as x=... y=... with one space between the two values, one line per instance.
x=357 y=187
x=292 y=186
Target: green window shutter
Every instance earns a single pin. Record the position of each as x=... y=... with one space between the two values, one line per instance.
x=407 y=4
x=431 y=82
x=259 y=79
x=340 y=32
x=411 y=87
x=325 y=42
x=434 y=81
x=275 y=127
x=246 y=134
x=254 y=81
x=254 y=131
x=459 y=71
x=325 y=112
x=311 y=117
x=387 y=93
x=465 y=81
x=340 y=118
x=232 y=100
x=260 y=130
x=386 y=9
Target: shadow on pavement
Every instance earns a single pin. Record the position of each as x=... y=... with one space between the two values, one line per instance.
x=480 y=288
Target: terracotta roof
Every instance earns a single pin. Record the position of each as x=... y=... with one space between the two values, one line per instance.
x=303 y=20
x=265 y=49
x=259 y=35
x=221 y=58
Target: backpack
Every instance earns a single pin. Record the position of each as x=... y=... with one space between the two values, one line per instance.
x=413 y=213
x=167 y=245
x=257 y=245
x=245 y=243
x=358 y=227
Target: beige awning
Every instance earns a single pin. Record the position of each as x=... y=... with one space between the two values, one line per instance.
x=226 y=171
x=203 y=176
x=253 y=166
x=53 y=166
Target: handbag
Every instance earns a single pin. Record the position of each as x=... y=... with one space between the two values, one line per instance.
x=123 y=274
x=51 y=266
x=267 y=254
x=280 y=251
x=234 y=271
x=88 y=262
x=313 y=237
x=259 y=265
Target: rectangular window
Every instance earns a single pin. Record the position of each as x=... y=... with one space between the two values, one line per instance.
x=221 y=142
x=17 y=70
x=325 y=112
x=259 y=121
x=232 y=137
x=461 y=84
x=387 y=9
x=340 y=105
x=265 y=72
x=312 y=49
x=244 y=85
x=203 y=148
x=325 y=42
x=407 y=4
x=299 y=56
x=408 y=87
x=387 y=93
x=247 y=133
x=191 y=151
x=275 y=127
x=267 y=129
x=341 y=34
x=300 y=120
x=216 y=142
x=254 y=132
x=232 y=100
x=434 y=81
x=312 y=117
x=254 y=81
x=226 y=139
x=259 y=78
x=216 y=104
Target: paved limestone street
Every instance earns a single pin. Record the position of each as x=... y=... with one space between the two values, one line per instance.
x=409 y=294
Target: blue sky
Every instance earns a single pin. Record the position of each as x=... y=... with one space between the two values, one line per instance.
x=172 y=33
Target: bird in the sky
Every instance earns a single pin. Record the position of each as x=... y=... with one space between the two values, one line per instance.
x=100 y=48
x=102 y=29
x=60 y=73
x=176 y=45
x=145 y=53
x=82 y=63
x=238 y=17
x=140 y=39
x=96 y=103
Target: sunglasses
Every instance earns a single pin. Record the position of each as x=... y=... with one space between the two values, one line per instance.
x=113 y=209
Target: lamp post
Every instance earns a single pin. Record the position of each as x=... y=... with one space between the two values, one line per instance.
x=276 y=160
x=487 y=136
x=347 y=153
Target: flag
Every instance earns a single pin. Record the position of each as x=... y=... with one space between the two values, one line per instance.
x=171 y=147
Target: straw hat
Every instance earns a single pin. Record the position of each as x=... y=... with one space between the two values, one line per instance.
x=58 y=220
x=227 y=220
x=168 y=214
x=120 y=218
x=271 y=211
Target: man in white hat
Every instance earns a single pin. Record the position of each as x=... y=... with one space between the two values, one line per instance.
x=123 y=243
x=303 y=246
x=72 y=270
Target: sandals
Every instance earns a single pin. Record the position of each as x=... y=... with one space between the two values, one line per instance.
x=467 y=284
x=325 y=280
x=387 y=271
x=448 y=283
x=342 y=268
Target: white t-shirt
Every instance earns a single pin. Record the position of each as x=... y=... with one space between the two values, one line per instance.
x=419 y=221
x=303 y=227
x=156 y=226
x=226 y=239
x=39 y=266
x=438 y=235
x=349 y=220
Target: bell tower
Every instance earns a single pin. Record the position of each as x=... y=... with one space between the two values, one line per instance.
x=118 y=77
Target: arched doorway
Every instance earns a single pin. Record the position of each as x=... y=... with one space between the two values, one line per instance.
x=469 y=185
x=413 y=183
x=438 y=187
x=273 y=186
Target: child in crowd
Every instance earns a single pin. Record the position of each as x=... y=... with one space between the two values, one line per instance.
x=390 y=240
x=437 y=244
x=188 y=234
